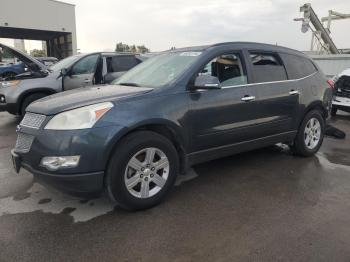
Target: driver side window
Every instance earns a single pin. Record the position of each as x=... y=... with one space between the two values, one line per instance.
x=228 y=68
x=86 y=65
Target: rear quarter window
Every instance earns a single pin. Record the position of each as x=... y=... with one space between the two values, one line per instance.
x=298 y=66
x=267 y=67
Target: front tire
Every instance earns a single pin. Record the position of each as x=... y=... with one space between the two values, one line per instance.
x=310 y=134
x=142 y=170
x=30 y=99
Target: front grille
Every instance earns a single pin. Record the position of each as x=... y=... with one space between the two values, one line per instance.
x=24 y=143
x=33 y=120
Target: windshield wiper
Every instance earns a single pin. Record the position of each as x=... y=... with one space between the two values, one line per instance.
x=128 y=84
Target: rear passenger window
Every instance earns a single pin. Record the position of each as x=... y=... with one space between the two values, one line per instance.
x=298 y=66
x=121 y=63
x=227 y=68
x=267 y=67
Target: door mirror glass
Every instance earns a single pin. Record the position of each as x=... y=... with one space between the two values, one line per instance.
x=207 y=82
x=64 y=71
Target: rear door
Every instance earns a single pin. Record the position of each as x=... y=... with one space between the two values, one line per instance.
x=82 y=73
x=277 y=98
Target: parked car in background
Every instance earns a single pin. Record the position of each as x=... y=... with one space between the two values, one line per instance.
x=11 y=70
x=341 y=99
x=48 y=61
x=176 y=109
x=38 y=81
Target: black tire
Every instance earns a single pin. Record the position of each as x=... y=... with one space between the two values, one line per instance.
x=299 y=146
x=334 y=111
x=30 y=99
x=125 y=150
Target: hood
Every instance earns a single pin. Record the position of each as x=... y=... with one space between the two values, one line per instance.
x=67 y=100
x=31 y=62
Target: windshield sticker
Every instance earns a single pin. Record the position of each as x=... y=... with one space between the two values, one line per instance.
x=190 y=53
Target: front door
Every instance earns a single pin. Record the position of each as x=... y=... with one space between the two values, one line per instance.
x=82 y=73
x=223 y=116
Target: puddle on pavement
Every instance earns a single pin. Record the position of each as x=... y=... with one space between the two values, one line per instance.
x=327 y=164
x=39 y=198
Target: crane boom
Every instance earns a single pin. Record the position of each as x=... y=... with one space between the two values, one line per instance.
x=310 y=15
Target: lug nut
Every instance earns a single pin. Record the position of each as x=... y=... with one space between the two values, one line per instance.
x=152 y=168
x=152 y=175
x=141 y=176
x=147 y=165
x=142 y=169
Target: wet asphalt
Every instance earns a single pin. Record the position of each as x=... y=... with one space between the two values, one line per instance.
x=265 y=205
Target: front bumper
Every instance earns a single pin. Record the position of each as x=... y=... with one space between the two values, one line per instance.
x=92 y=145
x=342 y=103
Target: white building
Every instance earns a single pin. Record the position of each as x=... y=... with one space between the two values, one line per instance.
x=46 y=20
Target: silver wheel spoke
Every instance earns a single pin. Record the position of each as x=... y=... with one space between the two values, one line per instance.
x=144 y=189
x=135 y=164
x=161 y=164
x=307 y=140
x=133 y=181
x=158 y=180
x=150 y=152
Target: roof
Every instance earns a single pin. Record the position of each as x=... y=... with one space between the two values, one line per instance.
x=250 y=45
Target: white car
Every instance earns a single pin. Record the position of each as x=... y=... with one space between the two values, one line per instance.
x=341 y=99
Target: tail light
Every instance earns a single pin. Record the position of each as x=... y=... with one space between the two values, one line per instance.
x=331 y=83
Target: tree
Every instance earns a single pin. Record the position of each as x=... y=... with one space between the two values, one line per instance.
x=37 y=53
x=142 y=49
x=121 y=47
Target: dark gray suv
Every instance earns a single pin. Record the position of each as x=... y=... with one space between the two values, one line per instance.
x=176 y=109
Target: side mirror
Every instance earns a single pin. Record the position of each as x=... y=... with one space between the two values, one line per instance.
x=64 y=71
x=207 y=82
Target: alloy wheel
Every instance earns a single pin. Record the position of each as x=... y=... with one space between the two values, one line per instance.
x=312 y=133
x=146 y=172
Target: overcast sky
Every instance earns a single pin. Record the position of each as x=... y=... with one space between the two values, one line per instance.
x=161 y=24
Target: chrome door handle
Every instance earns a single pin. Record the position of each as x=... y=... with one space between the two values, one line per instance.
x=294 y=92
x=86 y=81
x=248 y=98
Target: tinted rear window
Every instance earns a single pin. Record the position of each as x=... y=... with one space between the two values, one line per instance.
x=267 y=67
x=298 y=66
x=121 y=63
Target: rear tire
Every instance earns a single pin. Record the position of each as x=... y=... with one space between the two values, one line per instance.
x=334 y=111
x=30 y=99
x=310 y=134
x=133 y=179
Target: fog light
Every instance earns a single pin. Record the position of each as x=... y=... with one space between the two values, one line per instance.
x=2 y=99
x=54 y=163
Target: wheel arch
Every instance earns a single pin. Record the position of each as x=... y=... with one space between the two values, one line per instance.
x=27 y=93
x=316 y=105
x=163 y=127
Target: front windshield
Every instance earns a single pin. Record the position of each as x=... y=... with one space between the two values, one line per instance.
x=159 y=70
x=65 y=63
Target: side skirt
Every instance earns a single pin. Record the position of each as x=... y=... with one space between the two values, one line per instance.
x=227 y=150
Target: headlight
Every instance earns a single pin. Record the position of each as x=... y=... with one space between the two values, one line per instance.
x=80 y=118
x=13 y=83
